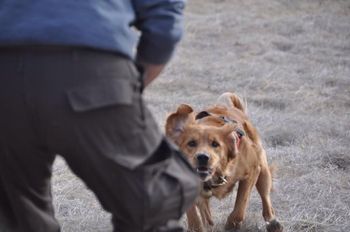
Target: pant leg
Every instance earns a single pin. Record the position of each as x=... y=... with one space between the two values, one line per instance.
x=113 y=141
x=87 y=106
x=25 y=164
x=27 y=184
x=7 y=216
x=100 y=125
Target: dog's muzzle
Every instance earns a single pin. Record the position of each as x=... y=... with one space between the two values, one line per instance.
x=203 y=169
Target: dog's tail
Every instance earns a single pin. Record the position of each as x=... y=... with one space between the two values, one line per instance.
x=233 y=100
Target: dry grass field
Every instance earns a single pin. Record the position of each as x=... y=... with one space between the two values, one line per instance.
x=290 y=59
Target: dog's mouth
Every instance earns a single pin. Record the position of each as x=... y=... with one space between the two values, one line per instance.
x=204 y=172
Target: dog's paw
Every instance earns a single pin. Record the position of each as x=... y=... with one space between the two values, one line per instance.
x=274 y=226
x=233 y=226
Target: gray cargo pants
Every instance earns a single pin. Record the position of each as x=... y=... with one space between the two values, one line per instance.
x=87 y=106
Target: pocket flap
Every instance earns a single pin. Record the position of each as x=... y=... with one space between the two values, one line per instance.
x=102 y=93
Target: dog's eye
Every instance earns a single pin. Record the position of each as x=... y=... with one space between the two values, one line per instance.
x=192 y=143
x=215 y=144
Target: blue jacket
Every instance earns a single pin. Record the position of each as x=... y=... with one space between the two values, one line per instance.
x=112 y=25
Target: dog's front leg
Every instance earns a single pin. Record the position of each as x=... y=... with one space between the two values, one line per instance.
x=235 y=219
x=204 y=209
x=194 y=221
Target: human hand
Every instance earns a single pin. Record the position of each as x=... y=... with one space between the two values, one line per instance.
x=151 y=72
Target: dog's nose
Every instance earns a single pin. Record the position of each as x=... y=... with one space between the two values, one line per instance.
x=202 y=159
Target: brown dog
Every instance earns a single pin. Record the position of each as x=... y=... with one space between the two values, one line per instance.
x=225 y=148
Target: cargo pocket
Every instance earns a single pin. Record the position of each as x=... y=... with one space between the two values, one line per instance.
x=102 y=93
x=171 y=186
x=107 y=116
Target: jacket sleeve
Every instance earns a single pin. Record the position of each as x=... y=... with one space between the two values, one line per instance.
x=161 y=25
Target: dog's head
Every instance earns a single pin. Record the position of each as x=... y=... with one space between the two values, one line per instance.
x=210 y=148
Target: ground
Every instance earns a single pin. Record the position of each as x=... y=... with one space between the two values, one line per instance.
x=290 y=60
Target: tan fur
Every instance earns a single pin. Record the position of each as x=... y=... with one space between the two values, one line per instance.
x=241 y=162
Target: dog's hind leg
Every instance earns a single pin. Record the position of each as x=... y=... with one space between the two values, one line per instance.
x=264 y=185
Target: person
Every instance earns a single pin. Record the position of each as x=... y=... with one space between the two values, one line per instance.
x=71 y=81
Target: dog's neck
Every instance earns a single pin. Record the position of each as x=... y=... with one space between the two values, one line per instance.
x=213 y=183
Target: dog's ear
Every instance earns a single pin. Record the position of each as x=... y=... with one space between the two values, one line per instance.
x=177 y=121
